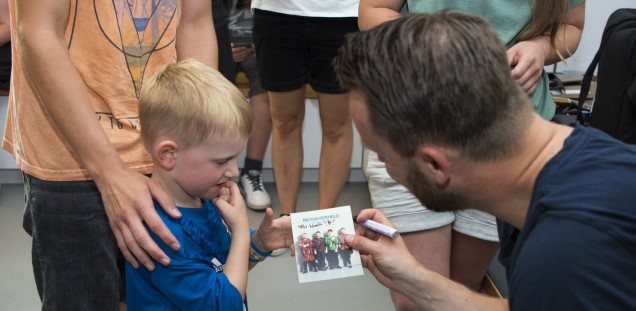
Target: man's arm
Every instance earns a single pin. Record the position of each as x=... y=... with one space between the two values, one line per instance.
x=127 y=195
x=394 y=267
x=196 y=37
x=375 y=12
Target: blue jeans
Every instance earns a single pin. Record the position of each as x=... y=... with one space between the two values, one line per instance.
x=74 y=252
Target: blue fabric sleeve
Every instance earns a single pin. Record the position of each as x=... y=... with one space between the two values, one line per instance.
x=564 y=266
x=188 y=284
x=193 y=285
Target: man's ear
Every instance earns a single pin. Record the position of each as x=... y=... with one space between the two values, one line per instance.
x=436 y=163
x=165 y=153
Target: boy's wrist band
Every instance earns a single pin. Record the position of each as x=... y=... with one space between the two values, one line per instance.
x=256 y=255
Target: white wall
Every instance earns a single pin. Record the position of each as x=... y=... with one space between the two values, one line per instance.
x=6 y=160
x=9 y=173
x=596 y=14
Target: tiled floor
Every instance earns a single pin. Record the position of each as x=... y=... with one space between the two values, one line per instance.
x=273 y=284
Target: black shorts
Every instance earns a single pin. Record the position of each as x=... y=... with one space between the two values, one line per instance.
x=292 y=51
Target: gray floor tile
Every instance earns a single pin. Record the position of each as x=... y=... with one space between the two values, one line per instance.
x=273 y=284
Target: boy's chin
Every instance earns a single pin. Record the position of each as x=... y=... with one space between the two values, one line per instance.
x=215 y=195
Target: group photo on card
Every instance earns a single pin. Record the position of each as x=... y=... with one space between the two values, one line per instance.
x=321 y=251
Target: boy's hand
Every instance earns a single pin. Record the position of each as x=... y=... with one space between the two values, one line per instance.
x=273 y=233
x=232 y=208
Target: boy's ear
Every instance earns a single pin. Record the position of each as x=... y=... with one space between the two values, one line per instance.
x=165 y=153
x=436 y=163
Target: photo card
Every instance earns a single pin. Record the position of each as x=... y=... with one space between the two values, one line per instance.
x=321 y=253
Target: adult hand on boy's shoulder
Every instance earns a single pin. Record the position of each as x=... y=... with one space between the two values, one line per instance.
x=274 y=233
x=128 y=202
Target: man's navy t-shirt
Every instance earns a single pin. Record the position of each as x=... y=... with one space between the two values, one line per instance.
x=577 y=248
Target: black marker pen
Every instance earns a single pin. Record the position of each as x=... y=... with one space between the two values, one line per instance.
x=378 y=227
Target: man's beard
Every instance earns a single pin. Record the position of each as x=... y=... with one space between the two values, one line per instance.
x=431 y=196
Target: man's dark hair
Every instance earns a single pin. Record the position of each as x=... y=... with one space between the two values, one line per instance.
x=440 y=79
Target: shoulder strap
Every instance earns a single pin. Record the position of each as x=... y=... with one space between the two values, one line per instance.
x=405 y=7
x=615 y=22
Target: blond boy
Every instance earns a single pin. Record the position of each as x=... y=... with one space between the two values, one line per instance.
x=194 y=124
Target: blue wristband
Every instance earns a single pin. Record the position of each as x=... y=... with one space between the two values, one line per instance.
x=256 y=255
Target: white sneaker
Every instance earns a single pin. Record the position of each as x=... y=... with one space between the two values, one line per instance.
x=256 y=196
x=278 y=252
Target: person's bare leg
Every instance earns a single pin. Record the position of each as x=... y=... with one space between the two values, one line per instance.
x=432 y=249
x=470 y=259
x=262 y=128
x=288 y=113
x=337 y=143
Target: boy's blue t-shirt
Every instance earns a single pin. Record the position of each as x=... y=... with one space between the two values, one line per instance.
x=577 y=247
x=194 y=280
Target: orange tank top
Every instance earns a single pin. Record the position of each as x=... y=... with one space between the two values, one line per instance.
x=115 y=45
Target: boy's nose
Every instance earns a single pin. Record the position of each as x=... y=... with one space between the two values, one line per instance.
x=233 y=170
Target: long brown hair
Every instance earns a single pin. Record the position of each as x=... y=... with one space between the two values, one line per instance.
x=547 y=16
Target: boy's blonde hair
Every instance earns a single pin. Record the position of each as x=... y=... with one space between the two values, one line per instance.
x=189 y=101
